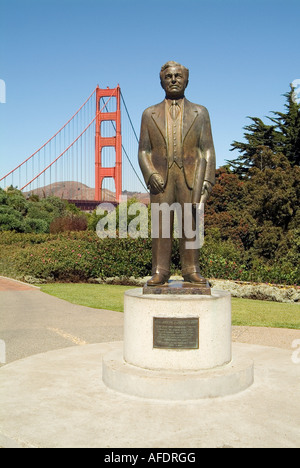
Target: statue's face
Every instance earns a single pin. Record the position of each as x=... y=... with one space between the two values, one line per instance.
x=174 y=81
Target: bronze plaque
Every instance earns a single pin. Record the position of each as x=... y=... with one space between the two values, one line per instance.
x=176 y=333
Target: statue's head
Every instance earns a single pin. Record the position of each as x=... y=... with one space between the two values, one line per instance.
x=174 y=79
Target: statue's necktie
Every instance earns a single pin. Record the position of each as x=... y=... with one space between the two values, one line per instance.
x=174 y=110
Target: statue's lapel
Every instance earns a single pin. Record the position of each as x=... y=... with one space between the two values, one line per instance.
x=158 y=115
x=190 y=113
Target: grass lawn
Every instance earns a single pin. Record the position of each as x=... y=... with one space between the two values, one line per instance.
x=265 y=313
x=244 y=311
x=97 y=296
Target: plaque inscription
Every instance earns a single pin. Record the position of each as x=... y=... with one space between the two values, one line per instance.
x=176 y=333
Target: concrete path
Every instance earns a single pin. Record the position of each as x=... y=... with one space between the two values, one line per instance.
x=33 y=322
x=58 y=400
x=52 y=394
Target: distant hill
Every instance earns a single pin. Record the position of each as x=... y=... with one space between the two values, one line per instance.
x=79 y=191
x=141 y=197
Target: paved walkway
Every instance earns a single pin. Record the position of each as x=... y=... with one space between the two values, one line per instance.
x=52 y=394
x=33 y=322
x=12 y=285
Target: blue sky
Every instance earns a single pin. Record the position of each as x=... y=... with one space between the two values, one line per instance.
x=242 y=56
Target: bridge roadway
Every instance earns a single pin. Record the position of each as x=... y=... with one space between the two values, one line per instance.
x=90 y=205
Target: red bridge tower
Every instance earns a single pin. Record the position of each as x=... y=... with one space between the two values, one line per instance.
x=102 y=142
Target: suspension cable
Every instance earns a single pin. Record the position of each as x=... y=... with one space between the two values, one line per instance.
x=129 y=118
x=26 y=160
x=137 y=139
x=63 y=127
x=125 y=152
x=55 y=160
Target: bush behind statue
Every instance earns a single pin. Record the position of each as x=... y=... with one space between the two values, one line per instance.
x=82 y=256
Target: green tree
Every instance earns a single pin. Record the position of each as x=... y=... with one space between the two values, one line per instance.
x=13 y=208
x=259 y=212
x=288 y=124
x=225 y=210
x=258 y=134
x=283 y=136
x=32 y=215
x=271 y=194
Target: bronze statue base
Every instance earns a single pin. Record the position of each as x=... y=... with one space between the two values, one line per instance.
x=179 y=287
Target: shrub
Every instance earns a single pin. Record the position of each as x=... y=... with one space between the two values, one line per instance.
x=76 y=257
x=22 y=239
x=61 y=259
x=35 y=225
x=35 y=215
x=82 y=256
x=11 y=221
x=70 y=222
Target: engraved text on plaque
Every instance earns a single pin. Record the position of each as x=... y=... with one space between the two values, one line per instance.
x=176 y=333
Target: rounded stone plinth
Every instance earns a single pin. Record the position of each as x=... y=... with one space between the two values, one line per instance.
x=175 y=385
x=212 y=347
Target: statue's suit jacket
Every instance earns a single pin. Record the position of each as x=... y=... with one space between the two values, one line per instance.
x=197 y=143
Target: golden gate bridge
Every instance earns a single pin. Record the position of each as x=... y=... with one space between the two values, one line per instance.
x=90 y=159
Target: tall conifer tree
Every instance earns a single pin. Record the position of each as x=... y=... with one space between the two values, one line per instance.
x=283 y=136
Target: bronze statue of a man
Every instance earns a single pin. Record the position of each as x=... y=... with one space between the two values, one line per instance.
x=177 y=159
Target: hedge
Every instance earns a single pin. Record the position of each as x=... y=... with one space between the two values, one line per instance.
x=82 y=256
x=73 y=256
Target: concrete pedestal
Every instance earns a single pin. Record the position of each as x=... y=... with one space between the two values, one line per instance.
x=213 y=312
x=177 y=348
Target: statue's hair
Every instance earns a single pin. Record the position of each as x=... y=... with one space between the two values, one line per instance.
x=171 y=63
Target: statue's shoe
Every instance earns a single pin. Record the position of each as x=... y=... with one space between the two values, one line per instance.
x=158 y=279
x=195 y=278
